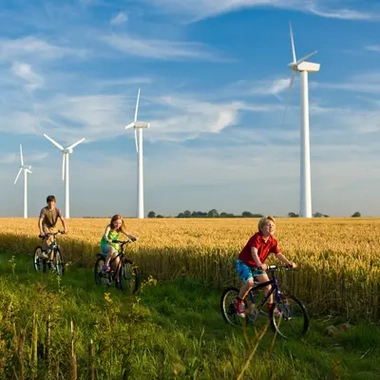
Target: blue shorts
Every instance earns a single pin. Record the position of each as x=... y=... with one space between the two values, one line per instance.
x=246 y=272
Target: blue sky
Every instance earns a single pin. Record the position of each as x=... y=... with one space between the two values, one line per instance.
x=213 y=76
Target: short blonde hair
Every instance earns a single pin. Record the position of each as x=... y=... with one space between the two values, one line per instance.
x=264 y=220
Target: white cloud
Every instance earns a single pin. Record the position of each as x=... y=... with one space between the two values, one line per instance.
x=25 y=72
x=32 y=47
x=375 y=48
x=368 y=83
x=201 y=9
x=160 y=49
x=13 y=158
x=120 y=18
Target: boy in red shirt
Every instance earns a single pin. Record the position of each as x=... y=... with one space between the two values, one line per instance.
x=250 y=262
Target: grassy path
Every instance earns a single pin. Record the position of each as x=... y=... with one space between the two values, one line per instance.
x=169 y=331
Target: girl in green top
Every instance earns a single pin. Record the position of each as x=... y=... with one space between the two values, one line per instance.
x=111 y=233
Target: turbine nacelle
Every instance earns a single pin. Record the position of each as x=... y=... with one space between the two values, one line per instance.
x=310 y=67
x=138 y=124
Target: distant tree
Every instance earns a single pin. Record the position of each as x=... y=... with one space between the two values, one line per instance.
x=180 y=215
x=213 y=213
x=187 y=214
x=151 y=214
x=246 y=214
x=326 y=216
x=318 y=215
x=356 y=214
x=293 y=215
x=257 y=215
x=159 y=216
x=198 y=214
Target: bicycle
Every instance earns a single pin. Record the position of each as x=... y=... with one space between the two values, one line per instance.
x=126 y=270
x=287 y=310
x=41 y=257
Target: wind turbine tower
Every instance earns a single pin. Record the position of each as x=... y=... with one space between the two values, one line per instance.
x=138 y=127
x=26 y=169
x=65 y=169
x=303 y=67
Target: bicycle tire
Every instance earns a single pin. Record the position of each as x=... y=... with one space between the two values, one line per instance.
x=227 y=306
x=39 y=264
x=286 y=318
x=58 y=264
x=131 y=276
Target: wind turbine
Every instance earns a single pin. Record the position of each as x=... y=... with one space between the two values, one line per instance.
x=303 y=67
x=139 y=126
x=26 y=169
x=65 y=169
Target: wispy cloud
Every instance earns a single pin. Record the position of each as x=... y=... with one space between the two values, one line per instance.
x=25 y=72
x=367 y=83
x=160 y=49
x=14 y=158
x=375 y=48
x=200 y=9
x=32 y=47
x=120 y=18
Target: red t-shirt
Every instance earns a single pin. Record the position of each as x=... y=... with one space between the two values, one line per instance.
x=263 y=248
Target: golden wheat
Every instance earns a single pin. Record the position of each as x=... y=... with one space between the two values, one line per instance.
x=339 y=258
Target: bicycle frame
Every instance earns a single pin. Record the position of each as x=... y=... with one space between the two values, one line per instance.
x=275 y=287
x=120 y=254
x=54 y=244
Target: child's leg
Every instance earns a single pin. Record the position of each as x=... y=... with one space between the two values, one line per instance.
x=264 y=278
x=109 y=250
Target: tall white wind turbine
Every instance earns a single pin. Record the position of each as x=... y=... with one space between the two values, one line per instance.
x=26 y=169
x=303 y=67
x=139 y=126
x=65 y=169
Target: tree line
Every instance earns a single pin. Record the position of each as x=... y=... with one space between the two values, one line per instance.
x=245 y=214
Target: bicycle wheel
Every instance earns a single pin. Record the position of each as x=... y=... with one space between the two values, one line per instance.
x=39 y=263
x=131 y=277
x=101 y=277
x=57 y=264
x=289 y=317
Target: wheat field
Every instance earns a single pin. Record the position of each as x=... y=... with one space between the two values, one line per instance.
x=339 y=259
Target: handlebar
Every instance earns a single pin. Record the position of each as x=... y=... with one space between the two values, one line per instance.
x=49 y=233
x=272 y=268
x=123 y=242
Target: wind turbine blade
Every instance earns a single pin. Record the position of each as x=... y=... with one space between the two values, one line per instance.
x=288 y=96
x=21 y=157
x=29 y=171
x=63 y=166
x=305 y=57
x=59 y=146
x=292 y=43
x=137 y=105
x=130 y=125
x=136 y=138
x=75 y=144
x=18 y=175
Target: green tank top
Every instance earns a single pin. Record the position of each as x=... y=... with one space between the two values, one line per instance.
x=112 y=235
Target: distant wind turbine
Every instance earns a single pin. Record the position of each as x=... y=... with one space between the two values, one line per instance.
x=138 y=126
x=26 y=169
x=303 y=67
x=65 y=169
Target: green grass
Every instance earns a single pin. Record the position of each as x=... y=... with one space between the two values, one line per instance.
x=168 y=331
